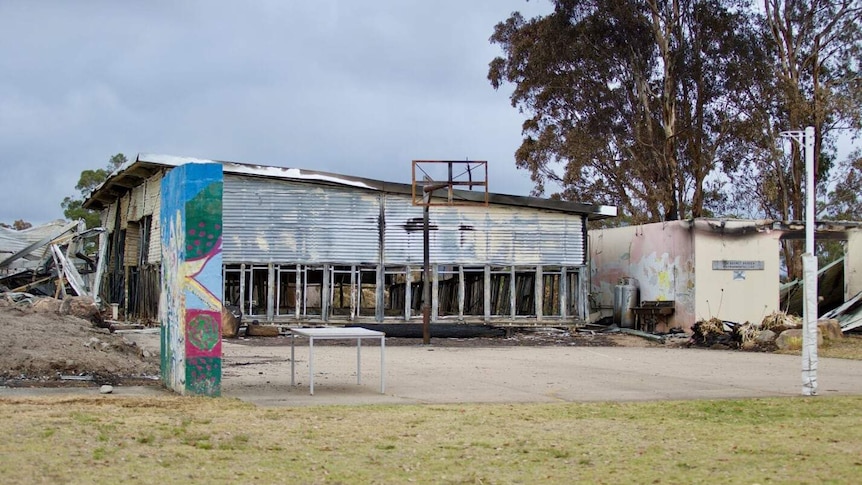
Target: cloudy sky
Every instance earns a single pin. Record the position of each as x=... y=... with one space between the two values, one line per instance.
x=358 y=88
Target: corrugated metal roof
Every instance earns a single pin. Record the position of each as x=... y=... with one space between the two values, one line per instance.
x=133 y=173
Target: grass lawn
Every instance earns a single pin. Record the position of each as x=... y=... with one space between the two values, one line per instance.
x=114 y=439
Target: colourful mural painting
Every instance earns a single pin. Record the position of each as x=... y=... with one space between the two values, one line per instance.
x=190 y=308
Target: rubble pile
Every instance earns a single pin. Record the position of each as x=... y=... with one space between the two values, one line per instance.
x=712 y=333
x=776 y=331
x=45 y=341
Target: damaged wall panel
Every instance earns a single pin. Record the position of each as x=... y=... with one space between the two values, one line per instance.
x=132 y=246
x=737 y=294
x=278 y=221
x=155 y=247
x=124 y=210
x=676 y=260
x=136 y=203
x=109 y=215
x=482 y=235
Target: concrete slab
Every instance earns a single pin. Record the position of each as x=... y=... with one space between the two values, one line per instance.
x=260 y=374
x=417 y=374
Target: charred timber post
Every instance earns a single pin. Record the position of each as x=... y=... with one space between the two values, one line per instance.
x=426 y=257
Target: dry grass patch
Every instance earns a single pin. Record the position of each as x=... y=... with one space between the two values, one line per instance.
x=113 y=439
x=849 y=347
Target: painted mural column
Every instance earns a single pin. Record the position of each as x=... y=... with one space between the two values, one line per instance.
x=190 y=305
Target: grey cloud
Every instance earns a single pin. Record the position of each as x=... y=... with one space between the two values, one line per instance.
x=353 y=87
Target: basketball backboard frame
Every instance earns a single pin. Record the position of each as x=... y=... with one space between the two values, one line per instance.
x=459 y=178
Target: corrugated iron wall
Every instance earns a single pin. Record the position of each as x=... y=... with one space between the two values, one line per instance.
x=280 y=221
x=482 y=235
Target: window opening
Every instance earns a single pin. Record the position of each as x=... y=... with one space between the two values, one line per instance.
x=551 y=289
x=395 y=291
x=572 y=276
x=525 y=291
x=474 y=290
x=501 y=302
x=255 y=277
x=312 y=291
x=286 y=289
x=342 y=295
x=368 y=291
x=447 y=290
x=231 y=289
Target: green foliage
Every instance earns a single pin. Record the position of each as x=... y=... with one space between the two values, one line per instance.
x=631 y=103
x=73 y=210
x=842 y=203
x=674 y=109
x=90 y=179
x=814 y=47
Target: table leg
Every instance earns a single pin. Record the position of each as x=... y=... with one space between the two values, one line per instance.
x=358 y=361
x=382 y=365
x=311 y=364
x=292 y=360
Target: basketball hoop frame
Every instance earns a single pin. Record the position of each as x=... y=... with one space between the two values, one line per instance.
x=458 y=178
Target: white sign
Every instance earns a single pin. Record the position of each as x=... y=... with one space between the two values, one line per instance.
x=737 y=265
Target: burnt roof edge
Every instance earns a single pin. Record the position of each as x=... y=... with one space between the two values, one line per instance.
x=151 y=162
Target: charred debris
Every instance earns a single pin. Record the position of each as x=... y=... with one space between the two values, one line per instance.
x=53 y=260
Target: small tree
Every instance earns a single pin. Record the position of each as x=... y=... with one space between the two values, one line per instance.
x=21 y=224
x=73 y=207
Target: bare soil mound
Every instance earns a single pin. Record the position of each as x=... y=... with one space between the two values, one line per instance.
x=45 y=348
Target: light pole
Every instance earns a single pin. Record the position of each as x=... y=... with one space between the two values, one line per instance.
x=809 y=265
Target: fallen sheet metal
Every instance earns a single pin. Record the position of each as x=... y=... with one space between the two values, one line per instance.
x=849 y=314
x=38 y=244
x=69 y=271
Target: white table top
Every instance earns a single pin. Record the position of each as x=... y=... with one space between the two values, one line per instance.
x=337 y=332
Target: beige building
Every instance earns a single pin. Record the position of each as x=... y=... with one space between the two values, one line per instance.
x=726 y=269
x=707 y=268
x=853 y=263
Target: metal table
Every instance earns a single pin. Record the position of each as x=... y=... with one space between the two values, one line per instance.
x=331 y=333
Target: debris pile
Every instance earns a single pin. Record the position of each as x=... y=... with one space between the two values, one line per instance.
x=778 y=330
x=713 y=333
x=48 y=260
x=44 y=341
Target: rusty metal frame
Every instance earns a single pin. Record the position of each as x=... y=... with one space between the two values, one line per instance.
x=455 y=185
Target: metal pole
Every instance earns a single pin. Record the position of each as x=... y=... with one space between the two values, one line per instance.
x=426 y=283
x=427 y=190
x=808 y=149
x=809 y=266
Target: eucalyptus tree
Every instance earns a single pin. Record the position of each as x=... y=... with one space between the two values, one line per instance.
x=814 y=47
x=87 y=182
x=631 y=102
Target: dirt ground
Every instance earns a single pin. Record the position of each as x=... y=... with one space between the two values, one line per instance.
x=51 y=349
x=48 y=349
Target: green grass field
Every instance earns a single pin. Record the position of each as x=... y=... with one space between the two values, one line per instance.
x=112 y=439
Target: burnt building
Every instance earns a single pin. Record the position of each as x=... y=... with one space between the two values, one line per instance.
x=308 y=246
